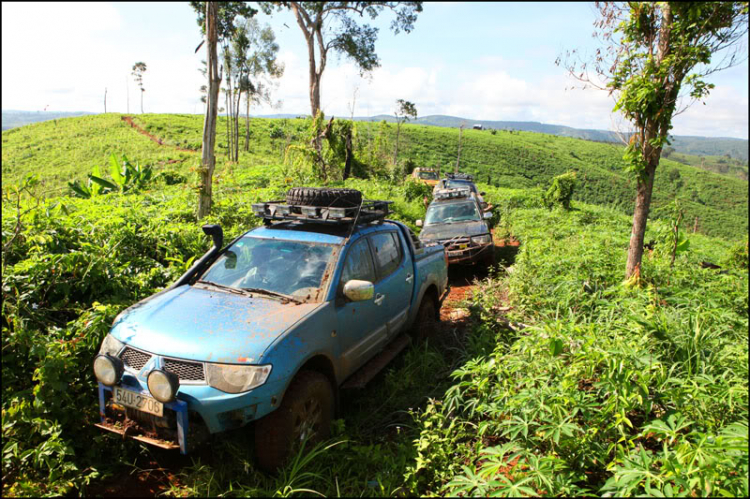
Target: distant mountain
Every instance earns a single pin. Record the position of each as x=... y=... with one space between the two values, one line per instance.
x=13 y=118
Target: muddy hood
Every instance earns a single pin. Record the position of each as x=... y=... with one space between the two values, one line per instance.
x=441 y=232
x=207 y=325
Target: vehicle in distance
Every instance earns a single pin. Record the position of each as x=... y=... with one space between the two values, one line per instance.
x=459 y=181
x=455 y=219
x=268 y=329
x=428 y=176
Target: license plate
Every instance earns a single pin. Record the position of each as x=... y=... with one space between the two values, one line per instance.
x=455 y=253
x=462 y=246
x=138 y=401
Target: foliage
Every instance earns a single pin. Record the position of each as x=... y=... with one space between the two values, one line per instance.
x=561 y=191
x=675 y=348
x=125 y=177
x=603 y=390
x=414 y=190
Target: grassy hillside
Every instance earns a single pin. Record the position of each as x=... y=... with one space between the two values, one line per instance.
x=724 y=165
x=68 y=149
x=609 y=389
x=701 y=146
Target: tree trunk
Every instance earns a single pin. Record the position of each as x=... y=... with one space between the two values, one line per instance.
x=208 y=159
x=141 y=100
x=398 y=133
x=314 y=91
x=247 y=123
x=349 y=155
x=640 y=216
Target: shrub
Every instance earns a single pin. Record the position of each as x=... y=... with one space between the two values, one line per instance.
x=561 y=191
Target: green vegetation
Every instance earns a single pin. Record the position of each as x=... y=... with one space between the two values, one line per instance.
x=72 y=148
x=583 y=386
x=724 y=165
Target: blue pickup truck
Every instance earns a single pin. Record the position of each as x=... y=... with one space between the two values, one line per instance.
x=270 y=328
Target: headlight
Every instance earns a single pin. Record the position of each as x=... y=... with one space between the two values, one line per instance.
x=231 y=378
x=163 y=385
x=484 y=239
x=108 y=369
x=111 y=346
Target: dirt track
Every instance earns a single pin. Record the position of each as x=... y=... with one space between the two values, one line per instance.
x=154 y=138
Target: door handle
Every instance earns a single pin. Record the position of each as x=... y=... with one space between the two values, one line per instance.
x=379 y=299
x=409 y=278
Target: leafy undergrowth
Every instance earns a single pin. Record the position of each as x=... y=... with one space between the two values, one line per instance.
x=611 y=389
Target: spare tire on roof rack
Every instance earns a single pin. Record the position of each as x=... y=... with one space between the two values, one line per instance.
x=328 y=197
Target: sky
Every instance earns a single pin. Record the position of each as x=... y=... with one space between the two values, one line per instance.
x=483 y=61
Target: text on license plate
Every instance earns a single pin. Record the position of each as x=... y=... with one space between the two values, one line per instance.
x=455 y=253
x=138 y=401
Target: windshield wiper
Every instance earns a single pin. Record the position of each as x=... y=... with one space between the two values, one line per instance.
x=262 y=291
x=221 y=286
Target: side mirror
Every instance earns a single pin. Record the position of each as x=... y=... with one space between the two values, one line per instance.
x=419 y=223
x=231 y=260
x=216 y=234
x=487 y=215
x=356 y=290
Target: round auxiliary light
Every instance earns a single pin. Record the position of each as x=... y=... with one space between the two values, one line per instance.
x=163 y=385
x=108 y=369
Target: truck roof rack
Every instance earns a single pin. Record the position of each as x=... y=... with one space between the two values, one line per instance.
x=460 y=192
x=369 y=211
x=460 y=176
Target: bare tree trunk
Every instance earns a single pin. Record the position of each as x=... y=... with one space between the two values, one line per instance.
x=640 y=217
x=398 y=133
x=141 y=100
x=226 y=104
x=247 y=124
x=208 y=159
x=349 y=155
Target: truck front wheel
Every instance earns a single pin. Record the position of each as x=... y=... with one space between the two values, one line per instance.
x=427 y=319
x=305 y=413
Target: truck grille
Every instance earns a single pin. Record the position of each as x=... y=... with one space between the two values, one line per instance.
x=185 y=371
x=134 y=359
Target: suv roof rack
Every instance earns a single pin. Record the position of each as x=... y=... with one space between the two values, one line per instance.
x=369 y=211
x=460 y=176
x=460 y=192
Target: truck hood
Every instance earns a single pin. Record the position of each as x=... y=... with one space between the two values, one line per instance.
x=441 y=232
x=207 y=325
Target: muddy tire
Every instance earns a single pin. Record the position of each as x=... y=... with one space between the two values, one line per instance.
x=312 y=196
x=426 y=321
x=306 y=411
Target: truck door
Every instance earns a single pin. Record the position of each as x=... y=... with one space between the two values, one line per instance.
x=362 y=330
x=395 y=283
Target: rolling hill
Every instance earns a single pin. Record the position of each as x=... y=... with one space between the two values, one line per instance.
x=68 y=149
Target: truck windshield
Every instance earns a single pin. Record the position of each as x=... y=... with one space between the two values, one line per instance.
x=291 y=268
x=428 y=175
x=449 y=213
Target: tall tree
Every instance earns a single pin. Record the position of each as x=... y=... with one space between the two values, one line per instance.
x=330 y=26
x=258 y=52
x=138 y=69
x=216 y=21
x=208 y=158
x=654 y=54
x=404 y=111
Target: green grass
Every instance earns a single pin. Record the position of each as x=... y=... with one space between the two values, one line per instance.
x=608 y=389
x=68 y=149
